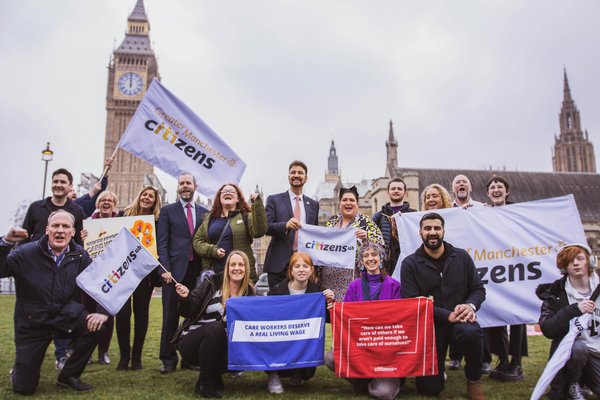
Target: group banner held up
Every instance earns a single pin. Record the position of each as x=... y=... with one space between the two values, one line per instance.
x=331 y=247
x=384 y=338
x=166 y=133
x=101 y=232
x=113 y=275
x=513 y=247
x=275 y=332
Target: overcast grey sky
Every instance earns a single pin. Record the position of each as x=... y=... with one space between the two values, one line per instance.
x=468 y=84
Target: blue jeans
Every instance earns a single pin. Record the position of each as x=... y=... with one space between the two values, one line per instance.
x=61 y=348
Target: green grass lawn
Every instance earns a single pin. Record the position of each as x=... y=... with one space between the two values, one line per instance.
x=149 y=384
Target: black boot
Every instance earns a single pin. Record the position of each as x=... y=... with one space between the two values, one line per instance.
x=206 y=386
x=123 y=364
x=219 y=382
x=136 y=364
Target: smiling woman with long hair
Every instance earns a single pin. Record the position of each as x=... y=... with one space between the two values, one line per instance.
x=106 y=207
x=201 y=338
x=231 y=225
x=435 y=197
x=146 y=202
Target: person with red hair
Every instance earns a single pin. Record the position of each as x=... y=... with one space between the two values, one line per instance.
x=232 y=224
x=563 y=300
x=301 y=279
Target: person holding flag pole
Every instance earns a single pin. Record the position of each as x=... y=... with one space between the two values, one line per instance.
x=569 y=316
x=47 y=304
x=201 y=338
x=146 y=202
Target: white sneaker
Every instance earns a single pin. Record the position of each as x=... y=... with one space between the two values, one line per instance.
x=575 y=392
x=275 y=386
x=587 y=392
x=60 y=363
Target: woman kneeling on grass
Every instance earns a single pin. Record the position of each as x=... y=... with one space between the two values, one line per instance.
x=374 y=284
x=201 y=338
x=300 y=280
x=563 y=300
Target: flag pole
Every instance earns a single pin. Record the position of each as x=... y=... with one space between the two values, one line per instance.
x=112 y=157
x=164 y=269
x=148 y=251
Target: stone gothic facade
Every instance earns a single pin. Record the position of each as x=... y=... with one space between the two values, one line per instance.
x=578 y=177
x=573 y=152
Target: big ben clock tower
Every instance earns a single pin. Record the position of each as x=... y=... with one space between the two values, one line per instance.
x=130 y=72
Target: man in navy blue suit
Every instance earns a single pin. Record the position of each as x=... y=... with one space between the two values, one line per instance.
x=176 y=226
x=286 y=212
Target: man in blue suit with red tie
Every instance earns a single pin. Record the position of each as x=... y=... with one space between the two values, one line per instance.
x=286 y=213
x=176 y=227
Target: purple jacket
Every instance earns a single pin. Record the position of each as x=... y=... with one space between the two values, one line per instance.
x=389 y=290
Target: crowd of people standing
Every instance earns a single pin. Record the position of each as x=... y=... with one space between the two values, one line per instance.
x=206 y=258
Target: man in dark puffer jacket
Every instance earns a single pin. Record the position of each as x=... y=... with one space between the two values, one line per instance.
x=386 y=223
x=47 y=304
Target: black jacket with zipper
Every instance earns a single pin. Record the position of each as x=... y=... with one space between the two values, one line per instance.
x=555 y=317
x=47 y=294
x=194 y=305
x=458 y=283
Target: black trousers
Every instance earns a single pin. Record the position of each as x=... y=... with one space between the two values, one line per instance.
x=469 y=336
x=141 y=310
x=206 y=346
x=168 y=353
x=109 y=326
x=456 y=352
x=500 y=345
x=274 y=278
x=31 y=345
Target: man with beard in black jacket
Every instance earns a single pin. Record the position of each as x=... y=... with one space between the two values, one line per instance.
x=448 y=274
x=385 y=221
x=47 y=304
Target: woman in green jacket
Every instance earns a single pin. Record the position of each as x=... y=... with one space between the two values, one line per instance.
x=232 y=224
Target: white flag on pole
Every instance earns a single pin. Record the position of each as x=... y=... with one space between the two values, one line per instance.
x=561 y=355
x=167 y=134
x=113 y=275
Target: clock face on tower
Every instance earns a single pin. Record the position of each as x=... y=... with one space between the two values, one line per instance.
x=130 y=84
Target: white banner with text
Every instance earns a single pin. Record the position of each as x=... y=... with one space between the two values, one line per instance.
x=514 y=248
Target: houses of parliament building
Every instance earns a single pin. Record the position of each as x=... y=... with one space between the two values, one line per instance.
x=574 y=172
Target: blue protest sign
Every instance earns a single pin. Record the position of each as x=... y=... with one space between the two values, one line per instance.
x=276 y=332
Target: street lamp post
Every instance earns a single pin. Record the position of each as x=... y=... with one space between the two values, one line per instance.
x=46 y=157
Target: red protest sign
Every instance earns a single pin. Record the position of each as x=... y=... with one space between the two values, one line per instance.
x=384 y=338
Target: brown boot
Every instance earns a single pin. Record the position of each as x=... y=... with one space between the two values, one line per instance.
x=475 y=391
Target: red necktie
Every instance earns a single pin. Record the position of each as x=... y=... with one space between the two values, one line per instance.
x=297 y=215
x=190 y=221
